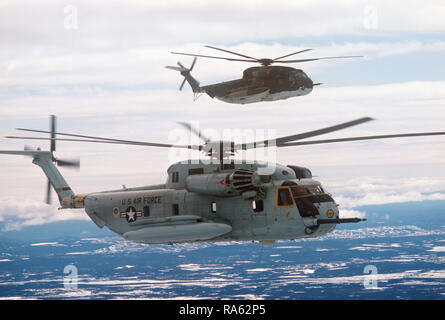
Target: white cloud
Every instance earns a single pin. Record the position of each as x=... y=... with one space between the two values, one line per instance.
x=348 y=213
x=105 y=25
x=384 y=198
x=375 y=190
x=16 y=213
x=97 y=71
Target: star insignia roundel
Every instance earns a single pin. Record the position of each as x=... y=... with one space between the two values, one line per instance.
x=131 y=214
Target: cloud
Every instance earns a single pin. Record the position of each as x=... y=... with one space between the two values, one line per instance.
x=16 y=213
x=348 y=213
x=138 y=68
x=105 y=25
x=382 y=190
x=384 y=198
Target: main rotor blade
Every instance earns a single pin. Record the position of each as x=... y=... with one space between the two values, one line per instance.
x=195 y=131
x=135 y=143
x=323 y=131
x=213 y=57
x=101 y=140
x=232 y=52
x=291 y=54
x=385 y=136
x=313 y=59
x=126 y=142
x=300 y=136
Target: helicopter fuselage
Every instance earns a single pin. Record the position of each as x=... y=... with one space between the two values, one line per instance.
x=196 y=204
x=264 y=83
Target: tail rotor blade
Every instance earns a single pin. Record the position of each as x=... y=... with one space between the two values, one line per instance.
x=53 y=132
x=182 y=85
x=48 y=193
x=193 y=63
x=176 y=68
x=72 y=163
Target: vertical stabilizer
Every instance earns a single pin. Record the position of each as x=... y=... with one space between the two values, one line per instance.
x=44 y=159
x=187 y=76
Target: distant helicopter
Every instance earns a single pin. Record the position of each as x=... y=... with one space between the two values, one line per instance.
x=220 y=200
x=264 y=83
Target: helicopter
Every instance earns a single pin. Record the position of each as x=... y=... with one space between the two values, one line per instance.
x=260 y=83
x=208 y=200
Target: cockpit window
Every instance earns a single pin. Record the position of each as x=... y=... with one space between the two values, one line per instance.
x=284 y=197
x=307 y=190
x=312 y=193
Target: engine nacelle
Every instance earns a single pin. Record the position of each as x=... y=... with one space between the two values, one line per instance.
x=301 y=172
x=224 y=184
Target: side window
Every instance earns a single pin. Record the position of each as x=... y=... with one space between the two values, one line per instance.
x=213 y=207
x=196 y=171
x=175 y=177
x=146 y=211
x=257 y=205
x=175 y=209
x=284 y=197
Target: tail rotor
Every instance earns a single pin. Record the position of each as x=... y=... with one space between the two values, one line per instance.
x=71 y=163
x=184 y=69
x=186 y=73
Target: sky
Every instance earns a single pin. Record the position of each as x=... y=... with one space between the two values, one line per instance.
x=99 y=66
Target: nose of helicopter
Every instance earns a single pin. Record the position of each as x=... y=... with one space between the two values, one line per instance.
x=327 y=210
x=307 y=82
x=304 y=81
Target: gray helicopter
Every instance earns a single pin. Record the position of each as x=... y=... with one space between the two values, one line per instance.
x=216 y=200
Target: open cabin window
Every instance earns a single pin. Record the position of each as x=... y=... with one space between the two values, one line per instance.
x=175 y=209
x=213 y=207
x=284 y=198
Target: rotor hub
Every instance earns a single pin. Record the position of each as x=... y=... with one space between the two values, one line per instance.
x=266 y=61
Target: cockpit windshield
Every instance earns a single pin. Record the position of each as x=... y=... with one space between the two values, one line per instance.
x=310 y=193
x=307 y=198
x=307 y=190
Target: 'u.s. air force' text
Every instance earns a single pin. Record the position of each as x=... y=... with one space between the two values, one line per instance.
x=141 y=200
